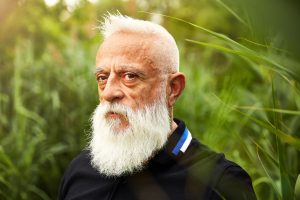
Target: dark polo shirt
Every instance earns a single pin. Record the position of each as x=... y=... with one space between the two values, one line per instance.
x=184 y=169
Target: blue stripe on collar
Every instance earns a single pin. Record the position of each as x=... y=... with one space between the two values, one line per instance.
x=183 y=142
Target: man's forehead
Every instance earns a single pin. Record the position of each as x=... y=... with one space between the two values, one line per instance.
x=123 y=42
x=132 y=42
x=126 y=52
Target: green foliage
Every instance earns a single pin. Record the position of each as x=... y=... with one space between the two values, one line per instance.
x=278 y=166
x=242 y=94
x=46 y=107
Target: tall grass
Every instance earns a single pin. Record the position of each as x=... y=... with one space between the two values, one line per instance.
x=253 y=115
x=44 y=119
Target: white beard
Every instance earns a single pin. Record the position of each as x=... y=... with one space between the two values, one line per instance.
x=127 y=151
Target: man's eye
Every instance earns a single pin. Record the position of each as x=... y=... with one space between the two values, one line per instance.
x=101 y=79
x=130 y=76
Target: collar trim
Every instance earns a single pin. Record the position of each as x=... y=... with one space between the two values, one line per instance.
x=183 y=142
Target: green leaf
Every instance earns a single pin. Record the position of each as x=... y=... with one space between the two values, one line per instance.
x=286 y=185
x=297 y=188
x=6 y=161
x=283 y=111
x=38 y=192
x=295 y=142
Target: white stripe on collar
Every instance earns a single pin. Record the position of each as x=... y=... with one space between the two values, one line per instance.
x=186 y=143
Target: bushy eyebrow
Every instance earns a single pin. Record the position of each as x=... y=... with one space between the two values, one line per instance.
x=101 y=69
x=132 y=69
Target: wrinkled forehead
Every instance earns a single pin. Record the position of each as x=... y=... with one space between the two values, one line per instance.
x=139 y=48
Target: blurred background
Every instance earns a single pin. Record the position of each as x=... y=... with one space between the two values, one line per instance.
x=241 y=58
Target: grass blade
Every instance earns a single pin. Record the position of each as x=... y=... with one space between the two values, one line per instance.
x=297 y=188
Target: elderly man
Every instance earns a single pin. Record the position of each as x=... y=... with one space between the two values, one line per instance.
x=137 y=150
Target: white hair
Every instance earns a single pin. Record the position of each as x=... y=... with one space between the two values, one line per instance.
x=126 y=151
x=167 y=52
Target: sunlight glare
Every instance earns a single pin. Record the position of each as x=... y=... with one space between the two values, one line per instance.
x=93 y=1
x=51 y=2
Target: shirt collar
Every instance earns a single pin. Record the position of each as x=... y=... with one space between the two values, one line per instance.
x=174 y=148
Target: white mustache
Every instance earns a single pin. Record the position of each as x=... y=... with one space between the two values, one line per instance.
x=115 y=108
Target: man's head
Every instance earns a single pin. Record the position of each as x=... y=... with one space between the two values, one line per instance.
x=138 y=83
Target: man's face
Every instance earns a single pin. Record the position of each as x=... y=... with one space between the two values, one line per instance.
x=127 y=73
x=133 y=120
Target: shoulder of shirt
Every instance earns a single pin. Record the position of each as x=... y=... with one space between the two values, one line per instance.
x=235 y=183
x=78 y=166
x=225 y=174
x=82 y=157
x=81 y=161
x=201 y=156
x=198 y=152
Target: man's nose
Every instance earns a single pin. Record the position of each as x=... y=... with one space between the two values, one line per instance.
x=112 y=91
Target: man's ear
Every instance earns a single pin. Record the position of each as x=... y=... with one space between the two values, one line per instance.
x=176 y=86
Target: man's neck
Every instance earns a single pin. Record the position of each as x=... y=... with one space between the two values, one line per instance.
x=173 y=126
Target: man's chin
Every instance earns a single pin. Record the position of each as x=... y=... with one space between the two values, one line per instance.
x=117 y=126
x=118 y=122
x=119 y=129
